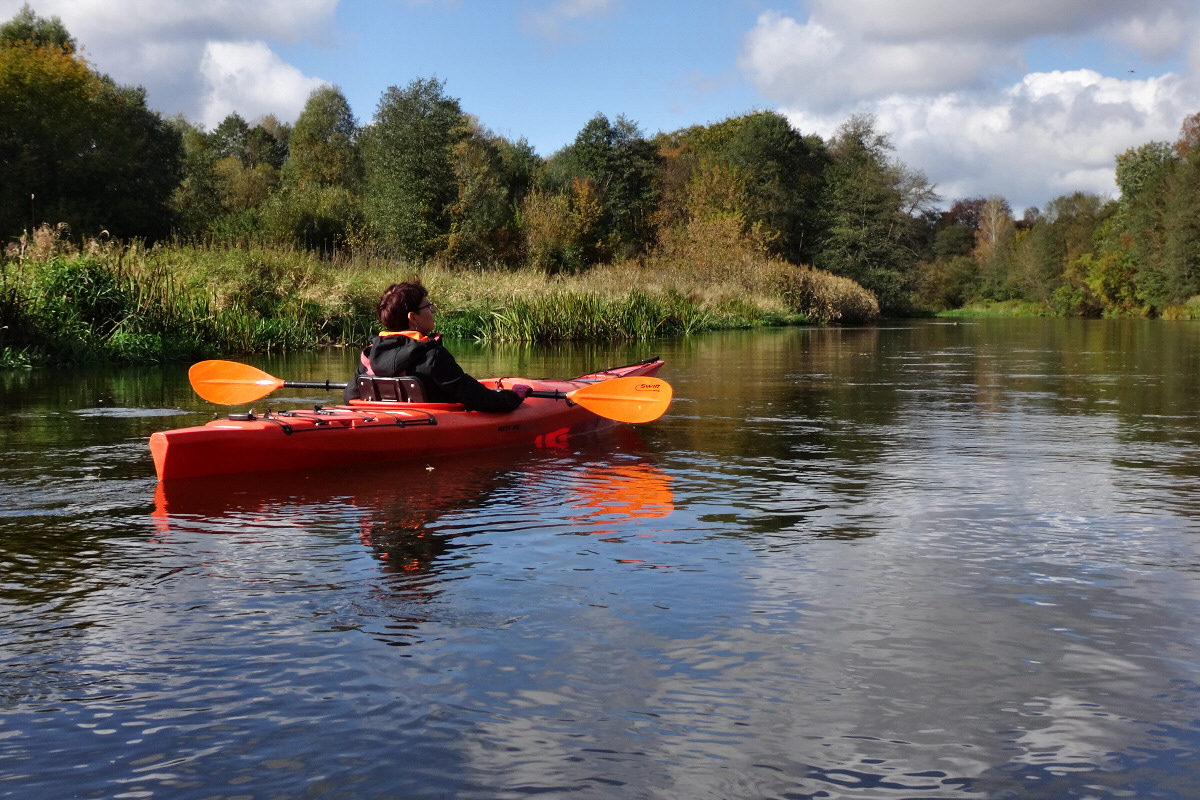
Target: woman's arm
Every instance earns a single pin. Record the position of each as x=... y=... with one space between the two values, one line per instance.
x=459 y=387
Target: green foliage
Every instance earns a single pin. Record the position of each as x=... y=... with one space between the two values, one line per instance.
x=409 y=162
x=229 y=137
x=196 y=200
x=28 y=27
x=1111 y=274
x=322 y=145
x=1155 y=230
x=577 y=316
x=558 y=227
x=1190 y=309
x=13 y=358
x=1136 y=168
x=264 y=144
x=954 y=241
x=133 y=304
x=483 y=223
x=320 y=218
x=244 y=188
x=1074 y=296
x=1181 y=234
x=619 y=165
x=79 y=149
x=999 y=308
x=870 y=235
x=81 y=309
x=783 y=173
x=945 y=283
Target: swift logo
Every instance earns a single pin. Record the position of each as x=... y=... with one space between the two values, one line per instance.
x=648 y=387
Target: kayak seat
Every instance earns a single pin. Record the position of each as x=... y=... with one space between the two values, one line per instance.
x=395 y=390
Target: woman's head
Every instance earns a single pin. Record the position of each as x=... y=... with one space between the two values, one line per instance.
x=400 y=300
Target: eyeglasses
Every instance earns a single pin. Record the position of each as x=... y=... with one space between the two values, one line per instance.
x=427 y=304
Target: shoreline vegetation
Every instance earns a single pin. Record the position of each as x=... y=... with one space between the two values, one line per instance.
x=131 y=303
x=173 y=241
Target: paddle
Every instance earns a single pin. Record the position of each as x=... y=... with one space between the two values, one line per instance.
x=634 y=399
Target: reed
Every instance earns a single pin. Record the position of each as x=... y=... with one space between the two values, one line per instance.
x=1000 y=308
x=110 y=302
x=1189 y=310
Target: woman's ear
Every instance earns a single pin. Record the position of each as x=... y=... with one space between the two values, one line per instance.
x=412 y=320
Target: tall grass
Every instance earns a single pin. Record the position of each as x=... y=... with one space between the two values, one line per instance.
x=576 y=315
x=1000 y=308
x=61 y=303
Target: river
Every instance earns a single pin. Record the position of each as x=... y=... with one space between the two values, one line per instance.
x=917 y=560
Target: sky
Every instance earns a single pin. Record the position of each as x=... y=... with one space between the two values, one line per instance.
x=1026 y=99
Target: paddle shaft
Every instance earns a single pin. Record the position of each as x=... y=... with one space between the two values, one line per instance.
x=555 y=395
x=326 y=385
x=329 y=385
x=332 y=385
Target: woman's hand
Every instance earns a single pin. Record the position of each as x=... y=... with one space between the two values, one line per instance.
x=521 y=390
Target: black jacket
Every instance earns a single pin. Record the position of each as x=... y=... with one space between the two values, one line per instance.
x=430 y=362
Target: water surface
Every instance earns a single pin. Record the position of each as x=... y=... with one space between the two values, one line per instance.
x=923 y=560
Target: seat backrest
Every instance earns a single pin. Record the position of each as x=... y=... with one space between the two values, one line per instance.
x=394 y=390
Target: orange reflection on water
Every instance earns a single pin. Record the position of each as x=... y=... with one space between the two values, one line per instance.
x=394 y=510
x=623 y=490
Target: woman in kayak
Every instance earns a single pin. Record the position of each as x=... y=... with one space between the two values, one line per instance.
x=405 y=346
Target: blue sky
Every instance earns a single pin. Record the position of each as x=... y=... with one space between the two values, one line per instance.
x=1027 y=99
x=525 y=71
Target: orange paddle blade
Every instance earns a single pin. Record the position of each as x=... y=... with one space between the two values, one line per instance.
x=229 y=383
x=631 y=399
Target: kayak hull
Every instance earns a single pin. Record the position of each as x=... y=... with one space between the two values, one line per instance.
x=372 y=432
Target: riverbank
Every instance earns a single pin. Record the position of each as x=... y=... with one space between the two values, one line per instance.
x=132 y=304
x=1189 y=310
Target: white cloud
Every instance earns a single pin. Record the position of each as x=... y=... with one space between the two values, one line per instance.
x=196 y=20
x=823 y=68
x=552 y=23
x=247 y=77
x=947 y=81
x=1051 y=134
x=1155 y=37
x=991 y=23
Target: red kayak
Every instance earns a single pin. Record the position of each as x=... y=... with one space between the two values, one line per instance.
x=366 y=431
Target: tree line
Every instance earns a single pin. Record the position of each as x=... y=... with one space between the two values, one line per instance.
x=427 y=182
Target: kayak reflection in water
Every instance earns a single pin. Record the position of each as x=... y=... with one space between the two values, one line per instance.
x=408 y=346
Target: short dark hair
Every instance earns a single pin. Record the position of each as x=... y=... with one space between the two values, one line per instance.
x=398 y=301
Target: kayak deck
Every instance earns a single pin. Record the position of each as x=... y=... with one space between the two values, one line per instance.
x=376 y=431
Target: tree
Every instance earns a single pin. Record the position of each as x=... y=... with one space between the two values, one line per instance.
x=28 y=27
x=267 y=144
x=867 y=197
x=1181 y=232
x=74 y=146
x=493 y=177
x=408 y=156
x=995 y=222
x=783 y=173
x=967 y=211
x=1137 y=167
x=196 y=199
x=1127 y=273
x=1111 y=274
x=319 y=204
x=620 y=166
x=322 y=147
x=228 y=139
x=1189 y=136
